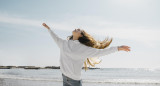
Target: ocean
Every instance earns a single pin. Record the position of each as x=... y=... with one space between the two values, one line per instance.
x=92 y=77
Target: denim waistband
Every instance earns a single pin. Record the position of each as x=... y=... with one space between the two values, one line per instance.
x=70 y=82
x=68 y=78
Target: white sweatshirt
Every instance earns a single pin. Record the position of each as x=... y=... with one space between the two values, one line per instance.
x=73 y=54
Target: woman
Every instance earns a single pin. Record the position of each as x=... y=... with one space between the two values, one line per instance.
x=75 y=51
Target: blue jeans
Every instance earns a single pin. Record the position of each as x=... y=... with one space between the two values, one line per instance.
x=70 y=82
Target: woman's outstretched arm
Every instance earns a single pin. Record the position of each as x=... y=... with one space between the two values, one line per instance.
x=57 y=39
x=93 y=52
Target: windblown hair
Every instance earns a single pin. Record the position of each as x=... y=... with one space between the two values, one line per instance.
x=88 y=40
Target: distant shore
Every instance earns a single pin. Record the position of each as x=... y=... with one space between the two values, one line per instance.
x=35 y=67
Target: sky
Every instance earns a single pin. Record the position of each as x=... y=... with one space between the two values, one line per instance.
x=135 y=23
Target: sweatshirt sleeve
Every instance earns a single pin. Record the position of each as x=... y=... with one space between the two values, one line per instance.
x=57 y=39
x=94 y=52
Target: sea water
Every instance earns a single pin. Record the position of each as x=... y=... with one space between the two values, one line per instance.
x=92 y=77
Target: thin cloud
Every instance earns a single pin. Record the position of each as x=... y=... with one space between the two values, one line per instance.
x=21 y=21
x=101 y=27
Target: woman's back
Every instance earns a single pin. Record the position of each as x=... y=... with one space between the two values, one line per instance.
x=73 y=54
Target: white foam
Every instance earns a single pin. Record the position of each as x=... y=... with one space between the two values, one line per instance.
x=115 y=81
x=126 y=81
x=28 y=78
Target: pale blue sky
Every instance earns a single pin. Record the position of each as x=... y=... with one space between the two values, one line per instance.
x=136 y=23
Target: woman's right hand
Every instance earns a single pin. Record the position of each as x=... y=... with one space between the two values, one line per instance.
x=124 y=48
x=46 y=26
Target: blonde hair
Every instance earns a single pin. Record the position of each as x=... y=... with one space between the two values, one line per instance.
x=88 y=40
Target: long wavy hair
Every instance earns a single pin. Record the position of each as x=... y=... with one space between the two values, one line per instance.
x=88 y=40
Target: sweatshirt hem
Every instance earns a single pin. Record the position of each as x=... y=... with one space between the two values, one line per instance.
x=71 y=76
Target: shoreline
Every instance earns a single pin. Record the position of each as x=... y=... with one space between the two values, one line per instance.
x=36 y=67
x=23 y=82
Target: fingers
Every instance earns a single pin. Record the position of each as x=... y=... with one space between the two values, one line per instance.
x=126 y=48
x=45 y=25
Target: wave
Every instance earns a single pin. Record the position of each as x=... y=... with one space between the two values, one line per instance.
x=29 y=78
x=114 y=81
x=125 y=81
